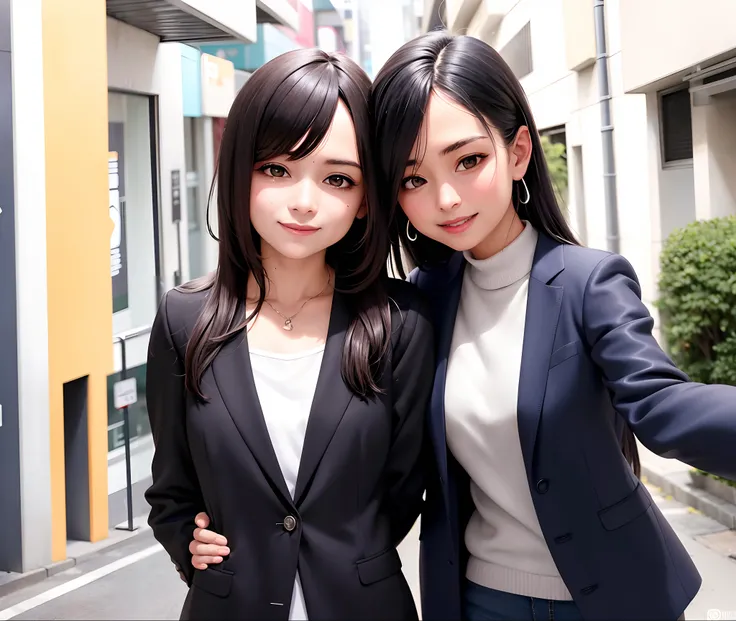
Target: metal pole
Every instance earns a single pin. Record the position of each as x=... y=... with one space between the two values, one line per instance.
x=126 y=434
x=609 y=164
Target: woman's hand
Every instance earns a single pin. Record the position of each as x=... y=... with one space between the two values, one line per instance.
x=207 y=547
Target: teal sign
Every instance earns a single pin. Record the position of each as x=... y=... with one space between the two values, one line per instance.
x=271 y=42
x=234 y=52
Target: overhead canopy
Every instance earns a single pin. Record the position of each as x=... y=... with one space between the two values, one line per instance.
x=280 y=12
x=189 y=20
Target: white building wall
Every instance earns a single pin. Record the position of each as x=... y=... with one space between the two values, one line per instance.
x=31 y=278
x=664 y=37
x=631 y=152
x=139 y=64
x=168 y=83
x=714 y=157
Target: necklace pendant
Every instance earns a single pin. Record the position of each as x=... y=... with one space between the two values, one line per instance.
x=287 y=325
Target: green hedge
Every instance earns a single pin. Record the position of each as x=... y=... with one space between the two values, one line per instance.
x=697 y=288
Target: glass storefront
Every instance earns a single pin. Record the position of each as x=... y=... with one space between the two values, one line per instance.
x=133 y=253
x=133 y=269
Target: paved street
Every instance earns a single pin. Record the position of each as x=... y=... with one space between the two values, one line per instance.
x=137 y=581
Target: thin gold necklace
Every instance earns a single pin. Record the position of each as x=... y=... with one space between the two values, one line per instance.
x=288 y=326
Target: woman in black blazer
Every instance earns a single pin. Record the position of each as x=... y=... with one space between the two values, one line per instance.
x=287 y=390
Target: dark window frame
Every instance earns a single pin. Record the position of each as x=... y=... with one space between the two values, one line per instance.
x=675 y=155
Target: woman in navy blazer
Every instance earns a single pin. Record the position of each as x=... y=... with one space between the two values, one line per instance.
x=460 y=154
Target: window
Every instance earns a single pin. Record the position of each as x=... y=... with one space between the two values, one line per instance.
x=133 y=251
x=676 y=126
x=518 y=52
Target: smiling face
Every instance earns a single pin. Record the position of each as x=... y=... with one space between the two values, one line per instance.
x=458 y=183
x=299 y=208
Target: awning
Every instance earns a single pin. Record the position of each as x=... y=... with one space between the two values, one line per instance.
x=280 y=12
x=189 y=20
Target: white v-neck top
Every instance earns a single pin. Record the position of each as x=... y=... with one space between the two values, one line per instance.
x=285 y=384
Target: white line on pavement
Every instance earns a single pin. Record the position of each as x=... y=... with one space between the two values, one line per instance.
x=76 y=583
x=676 y=511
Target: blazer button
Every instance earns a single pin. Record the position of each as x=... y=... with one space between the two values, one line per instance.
x=542 y=486
x=289 y=523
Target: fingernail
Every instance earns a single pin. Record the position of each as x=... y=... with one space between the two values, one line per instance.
x=221 y=541
x=224 y=551
x=218 y=559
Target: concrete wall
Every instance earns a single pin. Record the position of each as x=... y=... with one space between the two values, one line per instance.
x=662 y=38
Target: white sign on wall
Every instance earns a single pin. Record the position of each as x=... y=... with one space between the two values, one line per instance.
x=125 y=393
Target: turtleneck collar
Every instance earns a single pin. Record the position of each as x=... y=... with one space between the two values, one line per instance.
x=508 y=266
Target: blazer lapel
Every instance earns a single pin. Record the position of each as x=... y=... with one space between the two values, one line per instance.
x=234 y=379
x=444 y=305
x=331 y=398
x=542 y=316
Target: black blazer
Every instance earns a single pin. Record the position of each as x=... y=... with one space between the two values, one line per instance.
x=359 y=488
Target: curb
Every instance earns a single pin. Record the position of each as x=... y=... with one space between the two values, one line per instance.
x=12 y=582
x=679 y=486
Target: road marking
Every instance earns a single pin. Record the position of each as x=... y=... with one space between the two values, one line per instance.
x=676 y=511
x=76 y=583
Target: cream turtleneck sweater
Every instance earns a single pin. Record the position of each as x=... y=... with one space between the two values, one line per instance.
x=507 y=549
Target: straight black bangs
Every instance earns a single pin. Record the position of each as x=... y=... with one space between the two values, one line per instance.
x=298 y=116
x=404 y=114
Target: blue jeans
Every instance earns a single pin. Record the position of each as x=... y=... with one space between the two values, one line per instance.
x=483 y=604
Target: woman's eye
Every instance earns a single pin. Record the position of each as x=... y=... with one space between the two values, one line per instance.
x=469 y=162
x=412 y=183
x=274 y=170
x=339 y=181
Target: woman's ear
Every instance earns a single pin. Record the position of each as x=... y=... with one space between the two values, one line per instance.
x=521 y=152
x=362 y=210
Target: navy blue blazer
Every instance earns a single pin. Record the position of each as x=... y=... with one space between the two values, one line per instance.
x=589 y=366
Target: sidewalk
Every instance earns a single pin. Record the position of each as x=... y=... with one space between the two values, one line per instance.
x=76 y=551
x=669 y=475
x=673 y=478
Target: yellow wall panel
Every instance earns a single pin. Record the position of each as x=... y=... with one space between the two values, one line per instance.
x=78 y=233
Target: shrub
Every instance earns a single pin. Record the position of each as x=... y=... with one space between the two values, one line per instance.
x=697 y=301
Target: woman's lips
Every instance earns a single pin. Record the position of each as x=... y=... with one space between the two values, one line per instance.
x=299 y=229
x=458 y=225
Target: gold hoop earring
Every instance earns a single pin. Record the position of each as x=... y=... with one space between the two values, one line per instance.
x=408 y=234
x=528 y=196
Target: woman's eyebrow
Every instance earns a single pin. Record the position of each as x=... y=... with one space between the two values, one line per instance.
x=333 y=162
x=459 y=144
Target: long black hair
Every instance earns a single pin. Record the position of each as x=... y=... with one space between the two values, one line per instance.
x=290 y=98
x=473 y=74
